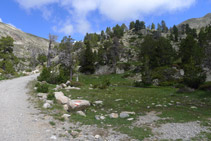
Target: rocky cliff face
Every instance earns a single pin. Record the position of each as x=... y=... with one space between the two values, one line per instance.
x=24 y=43
x=198 y=23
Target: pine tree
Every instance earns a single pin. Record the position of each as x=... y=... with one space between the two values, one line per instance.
x=88 y=63
x=6 y=55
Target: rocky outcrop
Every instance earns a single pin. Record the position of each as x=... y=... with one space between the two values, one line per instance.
x=198 y=23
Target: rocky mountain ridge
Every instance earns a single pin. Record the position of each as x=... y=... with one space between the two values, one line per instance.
x=24 y=43
x=198 y=23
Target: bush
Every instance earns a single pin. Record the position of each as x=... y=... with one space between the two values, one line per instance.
x=141 y=84
x=104 y=85
x=76 y=84
x=28 y=70
x=42 y=87
x=206 y=86
x=50 y=96
x=52 y=77
x=45 y=74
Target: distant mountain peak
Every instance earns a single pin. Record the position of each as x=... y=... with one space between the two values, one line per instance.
x=198 y=23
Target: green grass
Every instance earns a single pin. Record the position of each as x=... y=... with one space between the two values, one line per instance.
x=136 y=100
x=52 y=123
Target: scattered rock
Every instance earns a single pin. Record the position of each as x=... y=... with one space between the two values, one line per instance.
x=113 y=115
x=97 y=136
x=118 y=100
x=46 y=105
x=124 y=115
x=129 y=119
x=176 y=131
x=81 y=113
x=53 y=138
x=68 y=83
x=66 y=116
x=78 y=104
x=58 y=87
x=63 y=85
x=74 y=133
x=147 y=119
x=98 y=102
x=65 y=107
x=49 y=101
x=102 y=117
x=193 y=107
x=97 y=117
x=61 y=98
x=159 y=105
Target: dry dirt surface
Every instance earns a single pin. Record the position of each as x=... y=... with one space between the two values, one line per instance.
x=19 y=121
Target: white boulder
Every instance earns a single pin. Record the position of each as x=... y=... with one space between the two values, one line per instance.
x=78 y=104
x=61 y=98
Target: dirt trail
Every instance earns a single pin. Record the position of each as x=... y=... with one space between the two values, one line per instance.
x=19 y=121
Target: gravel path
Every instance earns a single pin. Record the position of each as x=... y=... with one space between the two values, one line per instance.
x=18 y=121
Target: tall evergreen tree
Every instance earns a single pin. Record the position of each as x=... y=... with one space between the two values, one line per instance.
x=8 y=60
x=88 y=63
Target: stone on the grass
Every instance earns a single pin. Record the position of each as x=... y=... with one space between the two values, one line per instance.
x=124 y=115
x=118 y=100
x=58 y=87
x=98 y=102
x=63 y=85
x=66 y=116
x=129 y=119
x=159 y=105
x=49 y=101
x=61 y=98
x=102 y=117
x=41 y=94
x=193 y=107
x=78 y=104
x=97 y=117
x=81 y=113
x=46 y=105
x=68 y=83
x=65 y=107
x=113 y=115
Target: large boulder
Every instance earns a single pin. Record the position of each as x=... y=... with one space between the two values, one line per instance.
x=78 y=104
x=61 y=98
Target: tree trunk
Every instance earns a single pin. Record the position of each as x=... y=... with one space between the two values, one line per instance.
x=71 y=73
x=49 y=55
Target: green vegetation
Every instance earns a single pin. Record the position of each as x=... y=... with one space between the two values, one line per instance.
x=42 y=87
x=119 y=95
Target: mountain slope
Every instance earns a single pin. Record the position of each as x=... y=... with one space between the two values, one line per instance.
x=198 y=23
x=24 y=43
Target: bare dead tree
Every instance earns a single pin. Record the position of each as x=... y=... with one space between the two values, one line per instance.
x=52 y=39
x=65 y=55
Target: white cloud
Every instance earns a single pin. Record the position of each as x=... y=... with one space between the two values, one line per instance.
x=33 y=4
x=1 y=20
x=116 y=10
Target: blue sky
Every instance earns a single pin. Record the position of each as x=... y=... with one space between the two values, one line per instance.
x=76 y=17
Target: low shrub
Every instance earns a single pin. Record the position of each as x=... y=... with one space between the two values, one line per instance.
x=76 y=84
x=28 y=70
x=206 y=86
x=50 y=96
x=42 y=87
x=140 y=84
